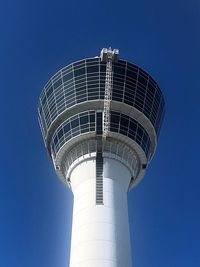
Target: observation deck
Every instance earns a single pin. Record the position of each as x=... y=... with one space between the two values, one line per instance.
x=71 y=116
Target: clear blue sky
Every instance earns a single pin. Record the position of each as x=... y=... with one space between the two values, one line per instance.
x=40 y=37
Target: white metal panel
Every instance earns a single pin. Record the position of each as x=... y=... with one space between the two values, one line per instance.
x=100 y=233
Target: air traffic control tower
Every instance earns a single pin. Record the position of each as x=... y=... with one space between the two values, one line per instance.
x=100 y=119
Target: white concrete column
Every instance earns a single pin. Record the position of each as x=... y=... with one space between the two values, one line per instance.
x=100 y=233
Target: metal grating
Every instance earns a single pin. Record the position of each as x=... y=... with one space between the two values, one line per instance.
x=99 y=179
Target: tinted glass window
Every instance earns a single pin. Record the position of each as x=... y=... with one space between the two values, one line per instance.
x=119 y=70
x=74 y=123
x=84 y=120
x=99 y=123
x=92 y=118
x=49 y=92
x=60 y=133
x=68 y=76
x=131 y=74
x=57 y=83
x=142 y=80
x=78 y=72
x=124 y=122
x=66 y=128
x=92 y=69
x=115 y=118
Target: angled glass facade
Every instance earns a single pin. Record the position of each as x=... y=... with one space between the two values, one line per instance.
x=91 y=121
x=84 y=81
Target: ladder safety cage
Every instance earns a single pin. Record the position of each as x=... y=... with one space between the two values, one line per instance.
x=109 y=56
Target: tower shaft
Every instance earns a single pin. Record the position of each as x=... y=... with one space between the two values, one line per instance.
x=100 y=233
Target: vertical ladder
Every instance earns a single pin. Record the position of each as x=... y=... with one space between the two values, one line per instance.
x=109 y=56
x=107 y=98
x=99 y=179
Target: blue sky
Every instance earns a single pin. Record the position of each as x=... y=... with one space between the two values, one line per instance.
x=40 y=37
